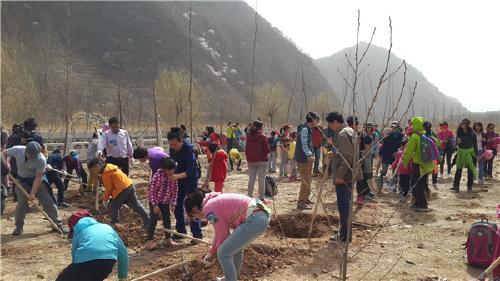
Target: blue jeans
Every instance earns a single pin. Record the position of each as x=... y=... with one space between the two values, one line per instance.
x=230 y=253
x=343 y=204
x=180 y=224
x=317 y=157
x=383 y=173
x=480 y=166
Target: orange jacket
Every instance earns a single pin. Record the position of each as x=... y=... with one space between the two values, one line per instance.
x=114 y=181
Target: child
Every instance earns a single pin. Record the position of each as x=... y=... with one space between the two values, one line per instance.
x=218 y=166
x=118 y=186
x=55 y=161
x=248 y=219
x=273 y=145
x=73 y=162
x=162 y=196
x=403 y=171
x=235 y=156
x=291 y=158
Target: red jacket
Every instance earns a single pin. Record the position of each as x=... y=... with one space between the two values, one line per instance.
x=219 y=168
x=257 y=147
x=317 y=137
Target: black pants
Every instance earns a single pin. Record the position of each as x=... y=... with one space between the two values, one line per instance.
x=420 y=187
x=122 y=163
x=153 y=219
x=404 y=184
x=458 y=178
x=362 y=186
x=488 y=168
x=434 y=178
x=54 y=179
x=344 y=205
x=447 y=156
x=129 y=197
x=79 y=172
x=94 y=270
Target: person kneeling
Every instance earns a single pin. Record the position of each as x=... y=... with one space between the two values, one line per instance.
x=162 y=195
x=95 y=249
x=247 y=217
x=118 y=186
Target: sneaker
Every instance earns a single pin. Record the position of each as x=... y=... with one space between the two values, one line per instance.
x=62 y=228
x=371 y=195
x=481 y=182
x=422 y=209
x=177 y=239
x=171 y=243
x=368 y=197
x=220 y=279
x=403 y=199
x=303 y=206
x=17 y=231
x=449 y=175
x=194 y=242
x=360 y=200
x=454 y=189
x=63 y=205
x=435 y=185
x=238 y=169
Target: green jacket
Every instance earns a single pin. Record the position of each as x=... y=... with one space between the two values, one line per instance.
x=465 y=159
x=413 y=151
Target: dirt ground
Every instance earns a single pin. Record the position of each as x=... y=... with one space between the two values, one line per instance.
x=390 y=240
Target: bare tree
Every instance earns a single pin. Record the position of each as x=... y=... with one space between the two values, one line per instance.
x=253 y=64
x=67 y=51
x=190 y=98
x=272 y=97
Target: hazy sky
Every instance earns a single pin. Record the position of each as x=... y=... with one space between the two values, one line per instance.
x=456 y=44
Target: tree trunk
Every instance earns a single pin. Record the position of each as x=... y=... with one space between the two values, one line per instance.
x=159 y=140
x=190 y=73
x=253 y=67
x=120 y=112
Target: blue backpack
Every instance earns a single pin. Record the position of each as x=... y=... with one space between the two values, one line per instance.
x=429 y=149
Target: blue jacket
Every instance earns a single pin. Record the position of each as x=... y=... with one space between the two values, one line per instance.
x=303 y=148
x=55 y=160
x=93 y=240
x=186 y=163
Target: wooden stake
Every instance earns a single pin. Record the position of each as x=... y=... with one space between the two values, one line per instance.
x=186 y=236
x=20 y=187
x=319 y=200
x=489 y=269
x=162 y=270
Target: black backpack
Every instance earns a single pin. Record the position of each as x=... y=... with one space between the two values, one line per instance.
x=271 y=187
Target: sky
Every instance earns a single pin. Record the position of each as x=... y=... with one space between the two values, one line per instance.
x=455 y=44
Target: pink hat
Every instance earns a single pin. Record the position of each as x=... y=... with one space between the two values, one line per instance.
x=105 y=127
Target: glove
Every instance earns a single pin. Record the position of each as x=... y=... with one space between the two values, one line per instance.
x=49 y=167
x=208 y=260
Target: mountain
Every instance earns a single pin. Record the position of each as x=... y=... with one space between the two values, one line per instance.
x=131 y=44
x=429 y=101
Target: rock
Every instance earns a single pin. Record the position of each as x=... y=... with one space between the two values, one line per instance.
x=40 y=276
x=410 y=262
x=448 y=218
x=420 y=245
x=464 y=221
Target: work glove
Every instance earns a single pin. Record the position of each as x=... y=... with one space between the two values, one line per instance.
x=49 y=167
x=208 y=260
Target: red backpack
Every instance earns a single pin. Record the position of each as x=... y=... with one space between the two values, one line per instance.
x=482 y=243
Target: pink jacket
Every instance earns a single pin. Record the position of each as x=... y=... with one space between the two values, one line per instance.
x=160 y=191
x=444 y=136
x=226 y=211
x=402 y=169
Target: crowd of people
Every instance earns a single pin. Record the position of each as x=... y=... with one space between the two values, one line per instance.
x=397 y=159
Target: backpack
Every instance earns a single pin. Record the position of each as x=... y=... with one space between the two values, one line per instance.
x=271 y=187
x=482 y=243
x=429 y=149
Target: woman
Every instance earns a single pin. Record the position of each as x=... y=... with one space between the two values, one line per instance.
x=491 y=144
x=431 y=134
x=448 y=146
x=186 y=173
x=247 y=218
x=256 y=149
x=479 y=133
x=284 y=145
x=466 y=155
x=95 y=249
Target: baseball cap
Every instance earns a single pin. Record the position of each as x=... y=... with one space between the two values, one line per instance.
x=33 y=150
x=369 y=125
x=74 y=218
x=394 y=124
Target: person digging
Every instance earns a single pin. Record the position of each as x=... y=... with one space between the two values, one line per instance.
x=248 y=218
x=118 y=186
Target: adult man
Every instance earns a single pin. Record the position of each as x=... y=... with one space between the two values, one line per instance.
x=304 y=157
x=186 y=174
x=30 y=174
x=343 y=140
x=390 y=145
x=118 y=146
x=153 y=155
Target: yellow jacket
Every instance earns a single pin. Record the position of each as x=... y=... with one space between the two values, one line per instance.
x=114 y=181
x=291 y=150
